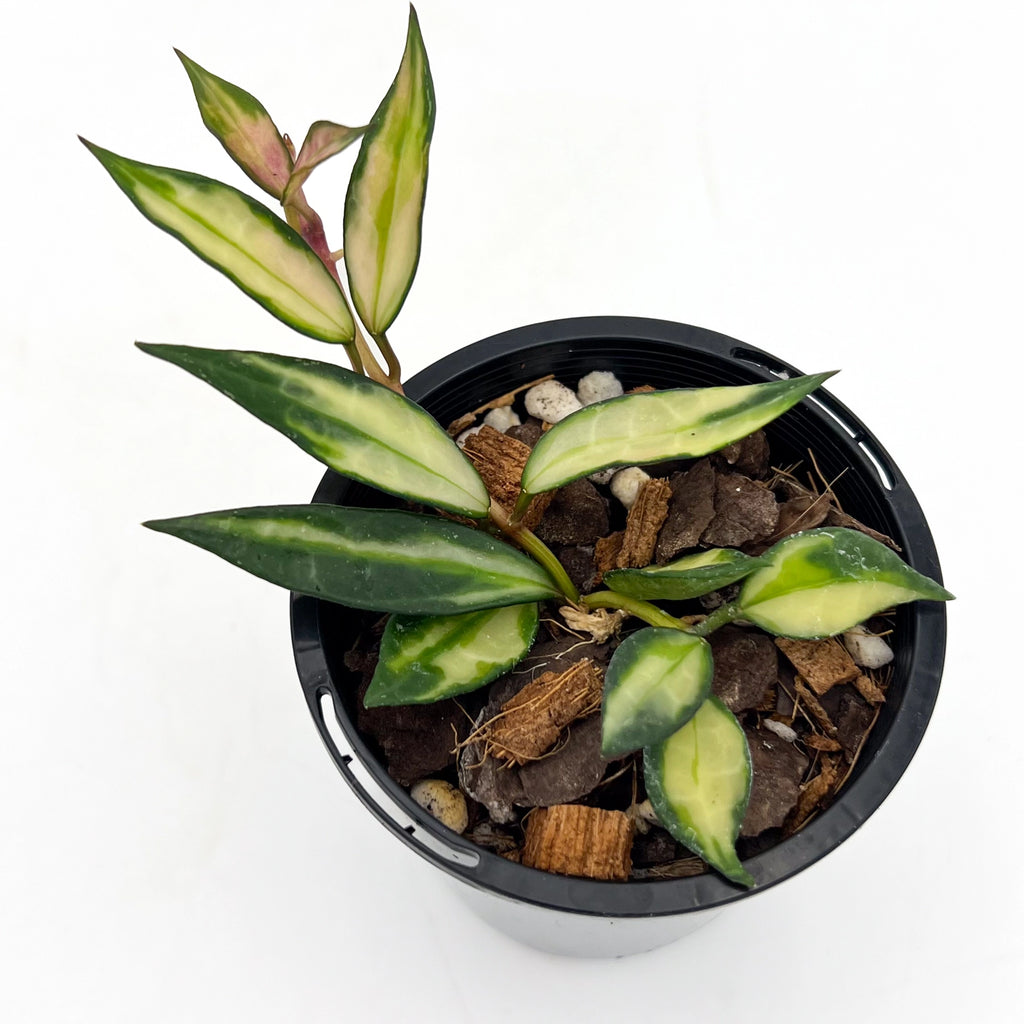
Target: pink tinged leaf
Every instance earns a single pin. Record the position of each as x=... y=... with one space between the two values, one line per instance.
x=323 y=140
x=243 y=127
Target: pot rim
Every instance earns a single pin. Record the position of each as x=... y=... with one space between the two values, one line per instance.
x=923 y=624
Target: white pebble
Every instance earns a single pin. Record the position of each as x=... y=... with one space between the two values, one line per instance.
x=443 y=801
x=783 y=731
x=502 y=418
x=604 y=476
x=551 y=401
x=867 y=650
x=597 y=386
x=626 y=484
x=461 y=439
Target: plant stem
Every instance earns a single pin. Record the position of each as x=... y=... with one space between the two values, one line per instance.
x=394 y=367
x=644 y=610
x=541 y=553
x=719 y=617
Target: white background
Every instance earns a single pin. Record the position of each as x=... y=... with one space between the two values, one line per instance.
x=837 y=183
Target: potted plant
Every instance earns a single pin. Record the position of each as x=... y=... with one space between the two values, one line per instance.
x=460 y=571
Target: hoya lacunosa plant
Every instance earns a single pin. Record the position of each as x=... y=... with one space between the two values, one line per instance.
x=465 y=600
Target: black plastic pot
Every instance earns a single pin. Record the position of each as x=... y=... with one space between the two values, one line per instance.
x=590 y=918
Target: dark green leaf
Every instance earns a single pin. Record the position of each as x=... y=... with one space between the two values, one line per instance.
x=350 y=423
x=424 y=659
x=686 y=577
x=382 y=560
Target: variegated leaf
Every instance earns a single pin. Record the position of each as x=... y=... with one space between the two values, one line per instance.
x=698 y=781
x=357 y=427
x=425 y=659
x=821 y=582
x=656 y=680
x=381 y=560
x=323 y=140
x=656 y=426
x=686 y=577
x=242 y=239
x=384 y=204
x=243 y=127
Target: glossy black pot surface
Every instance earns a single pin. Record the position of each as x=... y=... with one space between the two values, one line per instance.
x=869 y=486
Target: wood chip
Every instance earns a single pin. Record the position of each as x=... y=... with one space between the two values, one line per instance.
x=869 y=690
x=645 y=519
x=456 y=427
x=641 y=389
x=587 y=842
x=530 y=723
x=606 y=551
x=499 y=459
x=818 y=713
x=821 y=663
x=823 y=743
x=685 y=868
x=814 y=793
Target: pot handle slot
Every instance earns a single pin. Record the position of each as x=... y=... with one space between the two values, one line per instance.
x=398 y=820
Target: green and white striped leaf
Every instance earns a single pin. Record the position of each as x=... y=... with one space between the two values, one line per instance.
x=653 y=427
x=686 y=577
x=698 y=781
x=323 y=140
x=241 y=124
x=824 y=581
x=424 y=659
x=655 y=682
x=351 y=424
x=242 y=239
x=384 y=204
x=381 y=560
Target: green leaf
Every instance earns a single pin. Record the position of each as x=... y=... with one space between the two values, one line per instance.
x=242 y=239
x=431 y=658
x=350 y=423
x=243 y=127
x=384 y=204
x=653 y=427
x=382 y=560
x=698 y=781
x=824 y=581
x=655 y=682
x=323 y=140
x=686 y=577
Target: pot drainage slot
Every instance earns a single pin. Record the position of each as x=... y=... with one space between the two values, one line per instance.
x=763 y=362
x=385 y=805
x=884 y=476
x=837 y=418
